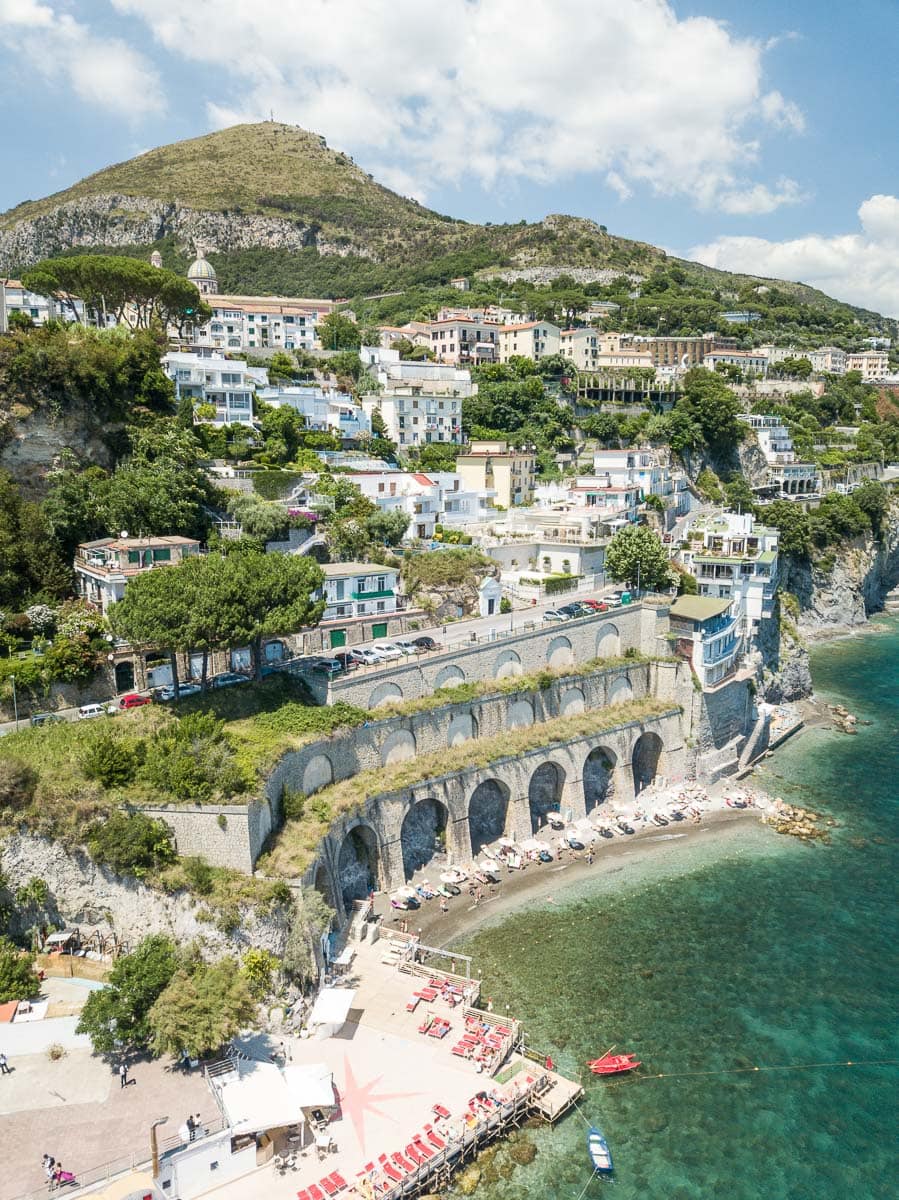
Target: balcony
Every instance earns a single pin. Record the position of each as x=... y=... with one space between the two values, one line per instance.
x=381 y=594
x=720 y=650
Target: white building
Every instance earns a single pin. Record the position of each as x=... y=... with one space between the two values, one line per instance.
x=322 y=409
x=459 y=504
x=407 y=377
x=828 y=360
x=705 y=630
x=464 y=340
x=353 y=590
x=420 y=402
x=228 y=385
x=733 y=558
x=104 y=567
x=14 y=298
x=529 y=339
x=746 y=360
x=873 y=364
x=646 y=470
x=792 y=477
x=591 y=350
x=412 y=493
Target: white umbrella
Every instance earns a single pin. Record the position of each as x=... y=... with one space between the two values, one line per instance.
x=532 y=846
x=509 y=843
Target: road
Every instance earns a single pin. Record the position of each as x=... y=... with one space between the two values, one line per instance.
x=453 y=634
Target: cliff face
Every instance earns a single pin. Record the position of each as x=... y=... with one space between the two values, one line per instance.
x=115 y=220
x=31 y=444
x=83 y=893
x=850 y=589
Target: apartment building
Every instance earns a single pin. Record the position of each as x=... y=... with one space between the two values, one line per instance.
x=413 y=418
x=459 y=504
x=677 y=352
x=492 y=467
x=705 y=631
x=873 y=364
x=409 y=492
x=222 y=389
x=15 y=298
x=614 y=504
x=394 y=374
x=528 y=339
x=104 y=567
x=734 y=559
x=352 y=590
x=747 y=360
x=792 y=477
x=591 y=350
x=828 y=360
x=322 y=408
x=465 y=340
x=646 y=470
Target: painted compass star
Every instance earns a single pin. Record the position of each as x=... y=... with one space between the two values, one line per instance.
x=358 y=1099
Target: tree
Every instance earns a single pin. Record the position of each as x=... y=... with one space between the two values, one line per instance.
x=18 y=979
x=269 y=594
x=387 y=528
x=201 y=1009
x=711 y=409
x=872 y=499
x=116 y=1017
x=261 y=519
x=793 y=525
x=155 y=613
x=309 y=919
x=338 y=332
x=636 y=556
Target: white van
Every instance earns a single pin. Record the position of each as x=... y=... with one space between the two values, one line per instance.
x=87 y=711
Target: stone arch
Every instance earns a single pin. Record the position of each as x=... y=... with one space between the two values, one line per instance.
x=645 y=759
x=384 y=693
x=124 y=675
x=449 y=677
x=399 y=746
x=572 y=702
x=324 y=885
x=620 y=691
x=599 y=777
x=358 y=864
x=487 y=811
x=423 y=834
x=318 y=773
x=462 y=728
x=521 y=712
x=508 y=663
x=608 y=641
x=545 y=792
x=559 y=653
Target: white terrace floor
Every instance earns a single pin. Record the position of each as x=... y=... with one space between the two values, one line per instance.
x=389 y=1077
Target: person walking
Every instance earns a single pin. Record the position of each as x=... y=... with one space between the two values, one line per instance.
x=4 y=1066
x=444 y=907
x=123 y=1076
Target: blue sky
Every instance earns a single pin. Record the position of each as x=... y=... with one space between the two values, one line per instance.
x=756 y=136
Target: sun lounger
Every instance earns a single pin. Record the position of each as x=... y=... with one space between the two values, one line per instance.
x=434 y=1138
x=426 y=1025
x=315 y=1192
x=413 y=1003
x=328 y=1186
x=422 y=1147
x=461 y=1050
x=389 y=1169
x=440 y=1111
x=401 y=1161
x=303 y=1195
x=339 y=1180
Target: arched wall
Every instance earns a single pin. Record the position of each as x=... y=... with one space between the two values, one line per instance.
x=423 y=833
x=599 y=777
x=487 y=813
x=508 y=663
x=559 y=653
x=521 y=713
x=608 y=641
x=358 y=864
x=620 y=690
x=384 y=693
x=319 y=772
x=450 y=676
x=462 y=728
x=545 y=793
x=572 y=702
x=397 y=747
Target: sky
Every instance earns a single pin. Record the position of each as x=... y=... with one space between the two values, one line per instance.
x=753 y=135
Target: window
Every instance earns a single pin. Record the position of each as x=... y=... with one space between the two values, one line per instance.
x=162 y=555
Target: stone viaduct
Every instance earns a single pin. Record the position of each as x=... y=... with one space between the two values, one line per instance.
x=451 y=817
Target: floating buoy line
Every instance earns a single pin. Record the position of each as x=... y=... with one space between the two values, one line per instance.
x=816 y=1066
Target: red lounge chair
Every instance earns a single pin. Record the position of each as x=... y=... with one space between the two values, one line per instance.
x=328 y=1185
x=425 y=1025
x=389 y=1169
x=368 y=1169
x=461 y=1051
x=441 y=1112
x=434 y=1138
x=315 y=1192
x=413 y=1152
x=304 y=1195
x=412 y=1004
x=402 y=1161
x=422 y=1147
x=339 y=1180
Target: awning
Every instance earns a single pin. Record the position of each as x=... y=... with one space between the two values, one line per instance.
x=311 y=1086
x=259 y=1099
x=332 y=1006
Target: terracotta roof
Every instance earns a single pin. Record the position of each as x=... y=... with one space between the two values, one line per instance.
x=524 y=325
x=423 y=479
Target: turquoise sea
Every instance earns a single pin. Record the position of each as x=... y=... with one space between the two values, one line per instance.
x=742 y=951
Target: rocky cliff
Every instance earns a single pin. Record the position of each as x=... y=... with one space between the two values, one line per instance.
x=85 y=894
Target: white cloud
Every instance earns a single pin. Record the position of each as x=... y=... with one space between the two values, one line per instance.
x=758 y=199
x=861 y=268
x=104 y=71
x=495 y=90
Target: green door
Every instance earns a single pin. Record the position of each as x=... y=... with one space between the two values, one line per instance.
x=338 y=638
x=379 y=630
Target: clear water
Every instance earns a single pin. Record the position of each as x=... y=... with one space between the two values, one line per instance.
x=771 y=953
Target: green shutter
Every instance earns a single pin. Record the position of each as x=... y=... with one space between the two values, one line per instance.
x=338 y=638
x=379 y=630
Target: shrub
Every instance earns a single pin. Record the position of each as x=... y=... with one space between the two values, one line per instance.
x=17 y=783
x=199 y=874
x=18 y=980
x=192 y=758
x=110 y=761
x=132 y=844
x=56 y=1051
x=257 y=969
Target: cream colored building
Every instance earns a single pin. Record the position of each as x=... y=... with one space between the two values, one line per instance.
x=529 y=339
x=464 y=340
x=591 y=350
x=493 y=467
x=873 y=364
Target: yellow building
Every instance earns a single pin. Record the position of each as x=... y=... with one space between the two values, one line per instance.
x=492 y=466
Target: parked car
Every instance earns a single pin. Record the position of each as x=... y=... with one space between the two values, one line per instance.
x=39 y=719
x=134 y=700
x=574 y=609
x=228 y=679
x=370 y=657
x=348 y=659
x=594 y=605
x=405 y=646
x=555 y=614
x=167 y=691
x=328 y=666
x=389 y=651
x=426 y=643
x=87 y=712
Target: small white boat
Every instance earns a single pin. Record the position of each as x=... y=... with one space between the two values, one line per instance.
x=598 y=1149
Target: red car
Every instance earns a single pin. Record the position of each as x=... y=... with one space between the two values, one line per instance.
x=596 y=605
x=133 y=700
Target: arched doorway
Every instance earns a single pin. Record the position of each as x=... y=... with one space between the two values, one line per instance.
x=545 y=793
x=124 y=676
x=358 y=865
x=598 y=778
x=487 y=813
x=645 y=760
x=423 y=834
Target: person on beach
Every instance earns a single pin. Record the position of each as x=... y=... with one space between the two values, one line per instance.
x=444 y=907
x=123 y=1076
x=4 y=1066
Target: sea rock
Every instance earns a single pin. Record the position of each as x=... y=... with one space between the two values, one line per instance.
x=523 y=1152
x=468 y=1181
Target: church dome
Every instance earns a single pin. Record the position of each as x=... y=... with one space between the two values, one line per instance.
x=200 y=268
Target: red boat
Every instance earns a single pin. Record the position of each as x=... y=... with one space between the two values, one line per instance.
x=613 y=1064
